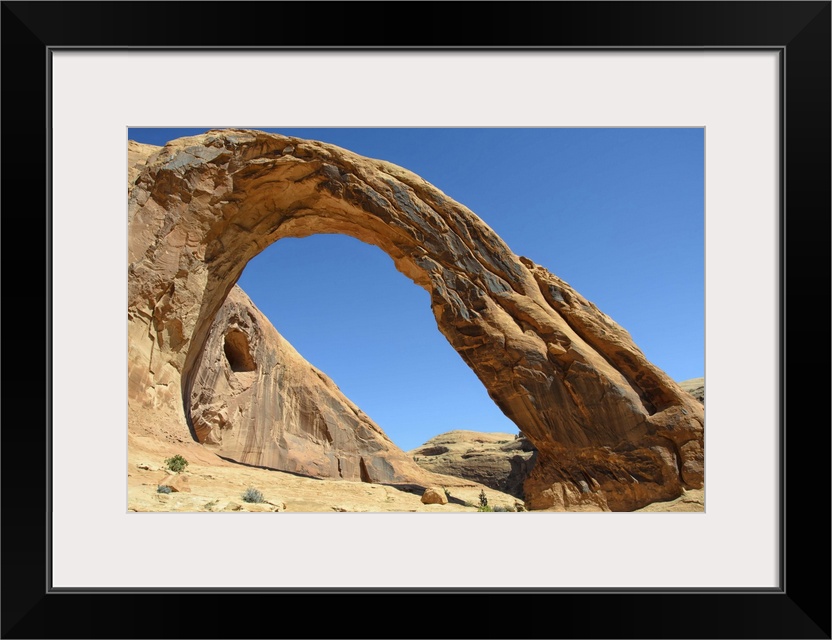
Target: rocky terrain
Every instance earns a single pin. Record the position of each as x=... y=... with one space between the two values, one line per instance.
x=501 y=461
x=612 y=431
x=220 y=488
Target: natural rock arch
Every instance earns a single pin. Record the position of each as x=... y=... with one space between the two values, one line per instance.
x=612 y=430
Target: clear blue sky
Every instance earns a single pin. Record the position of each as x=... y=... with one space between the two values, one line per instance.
x=617 y=213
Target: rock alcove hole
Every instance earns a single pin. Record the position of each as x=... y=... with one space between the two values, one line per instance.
x=238 y=352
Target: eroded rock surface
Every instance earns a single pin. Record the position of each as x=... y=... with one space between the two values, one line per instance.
x=612 y=430
x=501 y=461
x=137 y=156
x=255 y=400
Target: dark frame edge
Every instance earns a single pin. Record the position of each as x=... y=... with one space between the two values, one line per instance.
x=799 y=611
x=24 y=146
x=806 y=200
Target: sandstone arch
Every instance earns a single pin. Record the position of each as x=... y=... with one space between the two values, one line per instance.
x=613 y=431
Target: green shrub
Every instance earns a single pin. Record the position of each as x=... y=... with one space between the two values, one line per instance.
x=253 y=495
x=483 y=500
x=177 y=463
x=163 y=488
x=485 y=508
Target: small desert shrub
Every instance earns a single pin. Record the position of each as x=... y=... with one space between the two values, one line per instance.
x=500 y=508
x=163 y=488
x=252 y=495
x=210 y=505
x=177 y=463
x=484 y=502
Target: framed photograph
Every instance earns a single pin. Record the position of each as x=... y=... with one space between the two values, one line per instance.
x=752 y=77
x=429 y=434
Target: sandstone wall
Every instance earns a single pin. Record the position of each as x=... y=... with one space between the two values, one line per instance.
x=255 y=400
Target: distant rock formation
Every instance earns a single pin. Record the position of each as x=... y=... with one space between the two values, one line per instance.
x=501 y=461
x=613 y=432
x=695 y=387
x=255 y=400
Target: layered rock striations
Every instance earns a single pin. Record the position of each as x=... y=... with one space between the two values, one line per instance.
x=255 y=400
x=612 y=430
x=501 y=461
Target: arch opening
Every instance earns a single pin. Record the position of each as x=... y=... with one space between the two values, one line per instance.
x=346 y=310
x=331 y=305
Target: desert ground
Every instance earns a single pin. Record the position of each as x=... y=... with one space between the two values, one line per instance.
x=220 y=487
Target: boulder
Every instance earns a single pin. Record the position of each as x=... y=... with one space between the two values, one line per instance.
x=434 y=495
x=177 y=482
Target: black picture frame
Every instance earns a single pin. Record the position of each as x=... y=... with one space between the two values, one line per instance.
x=799 y=608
